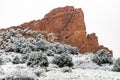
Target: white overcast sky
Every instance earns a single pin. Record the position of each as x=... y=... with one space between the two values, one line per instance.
x=101 y=16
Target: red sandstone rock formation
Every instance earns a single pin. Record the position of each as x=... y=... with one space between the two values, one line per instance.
x=68 y=25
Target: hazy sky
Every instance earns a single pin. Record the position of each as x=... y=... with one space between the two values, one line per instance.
x=101 y=16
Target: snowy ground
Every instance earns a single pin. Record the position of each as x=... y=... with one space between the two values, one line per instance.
x=83 y=69
x=81 y=74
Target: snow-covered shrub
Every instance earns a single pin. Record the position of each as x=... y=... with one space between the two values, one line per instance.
x=11 y=47
x=25 y=50
x=42 y=45
x=34 y=48
x=26 y=44
x=24 y=58
x=19 y=78
x=56 y=39
x=102 y=57
x=52 y=48
x=116 y=65
x=8 y=57
x=50 y=53
x=31 y=40
x=63 y=60
x=1 y=61
x=71 y=50
x=18 y=39
x=12 y=30
x=38 y=71
x=39 y=36
x=18 y=30
x=9 y=34
x=66 y=69
x=3 y=34
x=37 y=59
x=18 y=35
x=1 y=40
x=59 y=48
x=30 y=32
x=16 y=60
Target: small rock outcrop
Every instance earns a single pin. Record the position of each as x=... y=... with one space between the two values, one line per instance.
x=68 y=25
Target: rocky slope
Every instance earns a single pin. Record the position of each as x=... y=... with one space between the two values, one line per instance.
x=68 y=25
